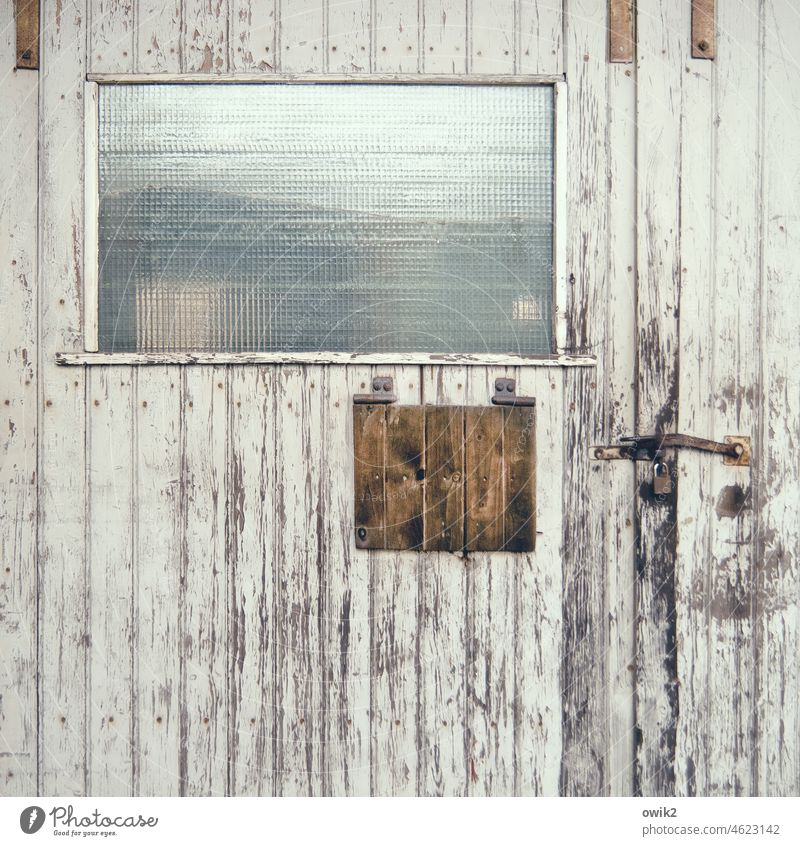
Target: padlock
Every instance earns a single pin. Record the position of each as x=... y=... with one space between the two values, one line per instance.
x=662 y=479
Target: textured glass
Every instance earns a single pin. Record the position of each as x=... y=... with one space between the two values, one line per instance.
x=340 y=217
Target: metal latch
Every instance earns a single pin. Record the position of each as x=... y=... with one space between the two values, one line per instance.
x=382 y=392
x=735 y=450
x=505 y=393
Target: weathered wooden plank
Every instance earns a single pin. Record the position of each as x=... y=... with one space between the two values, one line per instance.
x=777 y=501
x=299 y=561
x=347 y=36
x=110 y=519
x=661 y=46
x=536 y=700
x=111 y=35
x=205 y=36
x=489 y=602
x=404 y=476
x=204 y=633
x=621 y=29
x=519 y=484
x=618 y=476
x=157 y=542
x=394 y=689
x=492 y=37
x=27 y=28
x=251 y=531
x=444 y=36
x=300 y=36
x=18 y=442
x=444 y=478
x=346 y=626
x=252 y=35
x=483 y=466
x=584 y=669
x=159 y=41
x=704 y=38
x=395 y=37
x=369 y=471
x=441 y=608
x=63 y=577
x=540 y=38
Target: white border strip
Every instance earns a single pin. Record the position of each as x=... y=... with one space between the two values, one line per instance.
x=321 y=79
x=560 y=217
x=476 y=359
x=91 y=204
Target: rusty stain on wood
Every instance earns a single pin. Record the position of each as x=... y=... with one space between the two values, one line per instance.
x=704 y=41
x=27 y=19
x=621 y=37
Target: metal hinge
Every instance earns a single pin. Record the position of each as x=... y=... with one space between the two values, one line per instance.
x=735 y=450
x=382 y=393
x=505 y=393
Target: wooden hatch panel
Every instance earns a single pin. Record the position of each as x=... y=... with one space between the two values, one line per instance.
x=446 y=478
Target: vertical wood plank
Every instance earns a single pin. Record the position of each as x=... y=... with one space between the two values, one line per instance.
x=519 y=484
x=704 y=39
x=444 y=478
x=483 y=464
x=404 y=475
x=536 y=703
x=395 y=37
x=204 y=634
x=660 y=50
x=778 y=493
x=584 y=669
x=18 y=442
x=540 y=38
x=63 y=579
x=444 y=36
x=27 y=29
x=347 y=41
x=205 y=35
x=110 y=524
x=369 y=475
x=620 y=31
x=111 y=35
x=301 y=42
x=394 y=688
x=159 y=41
x=492 y=36
x=252 y=35
x=442 y=768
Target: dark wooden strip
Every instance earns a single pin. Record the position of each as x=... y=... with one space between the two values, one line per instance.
x=444 y=478
x=369 y=435
x=484 y=478
x=620 y=31
x=27 y=20
x=704 y=42
x=519 y=466
x=404 y=476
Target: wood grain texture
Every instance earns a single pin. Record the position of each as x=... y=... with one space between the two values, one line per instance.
x=704 y=38
x=621 y=31
x=404 y=474
x=483 y=467
x=27 y=29
x=444 y=478
x=252 y=35
x=18 y=441
x=112 y=28
x=369 y=475
x=519 y=484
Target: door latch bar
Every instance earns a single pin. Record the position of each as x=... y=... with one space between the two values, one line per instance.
x=735 y=450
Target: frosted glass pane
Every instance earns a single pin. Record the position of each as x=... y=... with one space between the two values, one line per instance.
x=342 y=217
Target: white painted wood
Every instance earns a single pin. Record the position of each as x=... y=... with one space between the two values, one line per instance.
x=347 y=36
x=493 y=36
x=205 y=36
x=110 y=35
x=91 y=204
x=159 y=44
x=252 y=36
x=460 y=359
x=18 y=438
x=540 y=37
x=444 y=37
x=396 y=37
x=300 y=36
x=560 y=218
x=288 y=76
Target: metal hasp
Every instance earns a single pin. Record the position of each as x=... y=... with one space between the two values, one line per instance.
x=735 y=450
x=382 y=393
x=505 y=393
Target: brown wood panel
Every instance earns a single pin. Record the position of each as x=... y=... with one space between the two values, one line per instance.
x=484 y=479
x=444 y=478
x=404 y=475
x=369 y=435
x=620 y=31
x=27 y=14
x=704 y=42
x=519 y=466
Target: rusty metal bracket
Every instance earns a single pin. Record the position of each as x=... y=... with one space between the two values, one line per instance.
x=382 y=393
x=505 y=393
x=735 y=450
x=27 y=24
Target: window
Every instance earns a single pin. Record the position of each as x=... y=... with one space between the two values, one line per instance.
x=343 y=217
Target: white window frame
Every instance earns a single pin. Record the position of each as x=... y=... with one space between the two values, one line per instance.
x=556 y=357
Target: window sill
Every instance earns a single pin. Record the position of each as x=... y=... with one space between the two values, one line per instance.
x=463 y=359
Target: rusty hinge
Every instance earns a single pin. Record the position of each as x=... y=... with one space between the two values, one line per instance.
x=505 y=393
x=382 y=393
x=735 y=450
